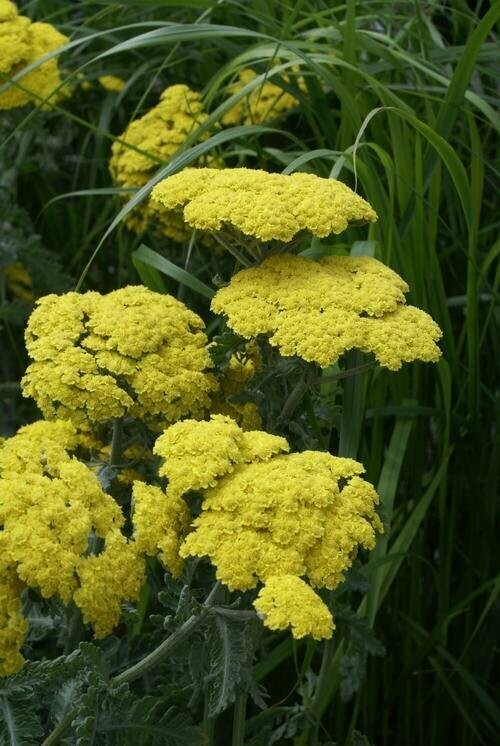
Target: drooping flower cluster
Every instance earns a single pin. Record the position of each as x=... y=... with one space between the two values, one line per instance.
x=287 y=601
x=131 y=352
x=154 y=138
x=264 y=102
x=320 y=309
x=263 y=205
x=267 y=515
x=54 y=514
x=22 y=42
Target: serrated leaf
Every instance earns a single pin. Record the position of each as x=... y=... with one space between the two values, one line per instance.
x=232 y=646
x=19 y=720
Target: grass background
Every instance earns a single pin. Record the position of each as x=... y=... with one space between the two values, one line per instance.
x=401 y=99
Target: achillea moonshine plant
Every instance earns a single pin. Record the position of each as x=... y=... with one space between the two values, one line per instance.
x=23 y=42
x=268 y=515
x=248 y=209
x=51 y=506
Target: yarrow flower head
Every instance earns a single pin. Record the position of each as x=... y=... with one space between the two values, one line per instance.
x=268 y=514
x=131 y=352
x=22 y=43
x=259 y=204
x=318 y=310
x=158 y=134
x=264 y=102
x=53 y=510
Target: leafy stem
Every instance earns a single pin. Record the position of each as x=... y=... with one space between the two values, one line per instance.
x=152 y=660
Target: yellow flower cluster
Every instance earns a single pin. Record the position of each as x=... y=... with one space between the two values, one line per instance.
x=111 y=83
x=320 y=309
x=160 y=523
x=52 y=510
x=13 y=626
x=107 y=579
x=268 y=514
x=286 y=601
x=197 y=453
x=159 y=134
x=131 y=352
x=260 y=204
x=22 y=43
x=264 y=102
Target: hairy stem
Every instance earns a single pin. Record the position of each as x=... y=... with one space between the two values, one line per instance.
x=240 y=708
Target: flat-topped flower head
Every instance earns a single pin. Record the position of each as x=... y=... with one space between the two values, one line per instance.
x=158 y=134
x=23 y=42
x=318 y=310
x=265 y=102
x=197 y=453
x=131 y=352
x=267 y=513
x=259 y=204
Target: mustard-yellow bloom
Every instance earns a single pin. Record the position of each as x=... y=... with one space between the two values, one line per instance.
x=112 y=83
x=131 y=352
x=266 y=513
x=54 y=518
x=263 y=205
x=13 y=626
x=287 y=601
x=48 y=515
x=106 y=579
x=265 y=102
x=197 y=453
x=318 y=310
x=160 y=524
x=158 y=134
x=22 y=43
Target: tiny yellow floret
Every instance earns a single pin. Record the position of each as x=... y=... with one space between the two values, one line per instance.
x=264 y=205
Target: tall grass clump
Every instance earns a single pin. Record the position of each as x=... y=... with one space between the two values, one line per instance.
x=206 y=341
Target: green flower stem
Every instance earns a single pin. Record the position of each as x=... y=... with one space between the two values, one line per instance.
x=146 y=664
x=208 y=725
x=168 y=646
x=116 y=442
x=240 y=709
x=350 y=435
